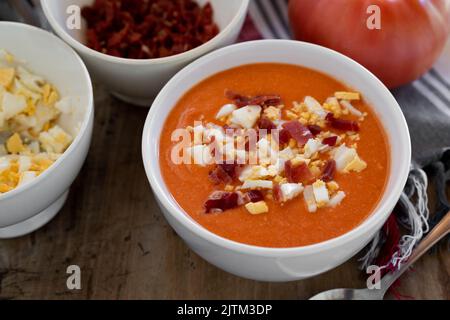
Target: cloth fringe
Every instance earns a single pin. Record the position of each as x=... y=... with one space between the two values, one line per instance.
x=412 y=213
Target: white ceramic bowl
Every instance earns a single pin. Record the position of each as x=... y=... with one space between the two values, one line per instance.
x=138 y=81
x=29 y=207
x=273 y=264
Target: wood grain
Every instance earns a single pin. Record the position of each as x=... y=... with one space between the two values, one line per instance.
x=112 y=228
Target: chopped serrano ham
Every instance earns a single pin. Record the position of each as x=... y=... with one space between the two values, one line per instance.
x=260 y=100
x=283 y=136
x=230 y=168
x=298 y=173
x=315 y=129
x=238 y=99
x=266 y=100
x=342 y=124
x=298 y=132
x=224 y=173
x=218 y=175
x=255 y=195
x=329 y=170
x=331 y=141
x=220 y=201
x=266 y=124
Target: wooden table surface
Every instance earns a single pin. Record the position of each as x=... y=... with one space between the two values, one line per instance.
x=112 y=228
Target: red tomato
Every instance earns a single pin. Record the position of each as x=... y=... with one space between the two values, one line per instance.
x=412 y=33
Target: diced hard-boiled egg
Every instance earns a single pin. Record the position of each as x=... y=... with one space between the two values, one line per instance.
x=246 y=117
x=55 y=140
x=290 y=190
x=332 y=101
x=343 y=156
x=259 y=172
x=257 y=184
x=246 y=173
x=320 y=193
x=299 y=159
x=272 y=113
x=276 y=168
x=254 y=172
x=347 y=95
x=348 y=160
x=314 y=106
x=336 y=199
x=12 y=104
x=332 y=186
x=257 y=207
x=30 y=80
x=308 y=195
x=311 y=147
x=286 y=154
x=347 y=105
x=20 y=89
x=226 y=110
x=7 y=76
x=14 y=144
x=24 y=163
x=4 y=163
x=43 y=115
x=356 y=165
x=34 y=147
x=265 y=151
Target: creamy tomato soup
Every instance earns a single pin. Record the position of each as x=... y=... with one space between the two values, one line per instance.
x=322 y=158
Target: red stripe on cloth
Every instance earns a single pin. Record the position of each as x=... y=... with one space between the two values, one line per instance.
x=249 y=31
x=391 y=230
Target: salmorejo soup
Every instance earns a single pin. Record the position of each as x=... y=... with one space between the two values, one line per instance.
x=274 y=155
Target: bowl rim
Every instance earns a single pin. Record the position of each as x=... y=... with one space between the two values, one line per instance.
x=376 y=218
x=84 y=126
x=242 y=11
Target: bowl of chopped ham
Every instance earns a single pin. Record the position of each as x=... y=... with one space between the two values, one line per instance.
x=276 y=160
x=135 y=47
x=46 y=119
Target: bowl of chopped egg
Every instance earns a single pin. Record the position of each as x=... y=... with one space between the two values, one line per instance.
x=46 y=120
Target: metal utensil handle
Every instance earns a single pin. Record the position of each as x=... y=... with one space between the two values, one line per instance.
x=438 y=232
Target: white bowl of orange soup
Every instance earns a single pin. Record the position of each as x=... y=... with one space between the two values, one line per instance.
x=342 y=154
